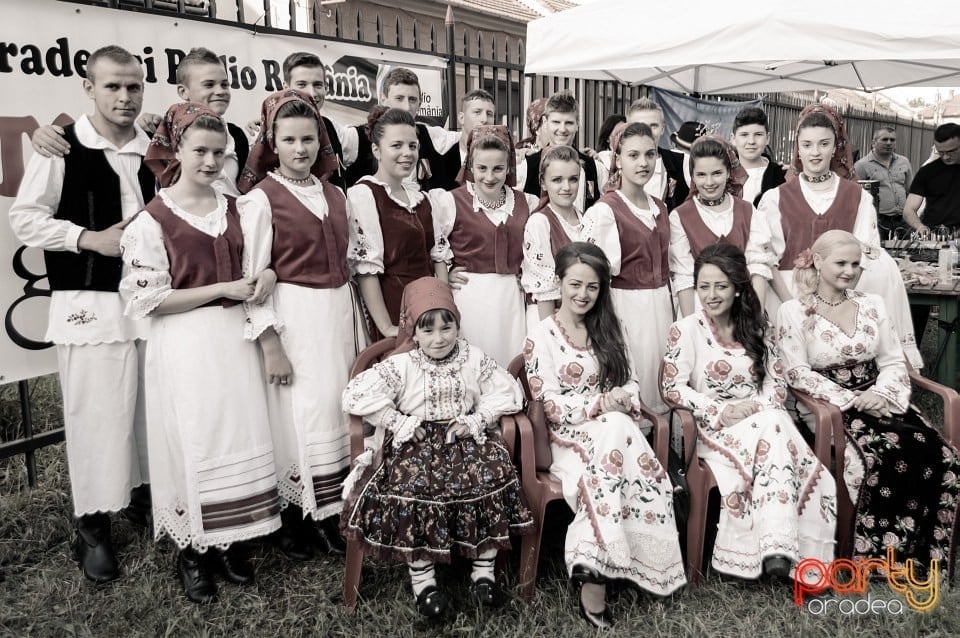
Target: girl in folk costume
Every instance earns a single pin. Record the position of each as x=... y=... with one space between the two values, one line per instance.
x=443 y=482
x=211 y=456
x=553 y=224
x=777 y=501
x=633 y=230
x=824 y=196
x=839 y=345
x=303 y=237
x=577 y=364
x=713 y=213
x=391 y=220
x=481 y=225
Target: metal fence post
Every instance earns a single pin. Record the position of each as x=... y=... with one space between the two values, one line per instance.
x=449 y=23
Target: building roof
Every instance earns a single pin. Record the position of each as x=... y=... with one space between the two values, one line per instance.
x=518 y=10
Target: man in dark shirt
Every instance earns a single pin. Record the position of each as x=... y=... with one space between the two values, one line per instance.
x=937 y=184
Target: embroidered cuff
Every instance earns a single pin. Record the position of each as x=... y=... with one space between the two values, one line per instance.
x=403 y=429
x=477 y=425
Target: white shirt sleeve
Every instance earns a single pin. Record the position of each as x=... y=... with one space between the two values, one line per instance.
x=865 y=227
x=443 y=140
x=32 y=214
x=538 y=272
x=147 y=282
x=600 y=228
x=256 y=224
x=349 y=142
x=681 y=258
x=766 y=244
x=366 y=237
x=444 y=216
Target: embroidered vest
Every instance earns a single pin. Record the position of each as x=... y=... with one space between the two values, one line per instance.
x=801 y=225
x=644 y=253
x=481 y=247
x=699 y=234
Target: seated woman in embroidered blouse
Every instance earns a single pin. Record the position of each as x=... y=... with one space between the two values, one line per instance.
x=577 y=364
x=777 y=501
x=839 y=345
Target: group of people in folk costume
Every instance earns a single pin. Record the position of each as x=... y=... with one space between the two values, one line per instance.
x=229 y=325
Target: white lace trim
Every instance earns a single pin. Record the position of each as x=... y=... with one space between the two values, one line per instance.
x=175 y=523
x=213 y=223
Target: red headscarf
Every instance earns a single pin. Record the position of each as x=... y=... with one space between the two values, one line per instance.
x=263 y=157
x=613 y=180
x=161 y=157
x=842 y=161
x=736 y=175
x=534 y=120
x=419 y=296
x=489 y=130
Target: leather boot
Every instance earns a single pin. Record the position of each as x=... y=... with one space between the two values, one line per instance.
x=232 y=565
x=198 y=583
x=139 y=510
x=328 y=537
x=290 y=539
x=93 y=548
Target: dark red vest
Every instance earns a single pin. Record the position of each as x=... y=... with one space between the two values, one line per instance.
x=801 y=226
x=558 y=234
x=644 y=253
x=407 y=242
x=699 y=234
x=480 y=246
x=197 y=259
x=308 y=251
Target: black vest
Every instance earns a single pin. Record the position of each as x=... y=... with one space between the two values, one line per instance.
x=446 y=168
x=366 y=163
x=337 y=179
x=90 y=197
x=591 y=187
x=240 y=145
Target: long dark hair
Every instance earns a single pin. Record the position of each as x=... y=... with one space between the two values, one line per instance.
x=747 y=315
x=603 y=326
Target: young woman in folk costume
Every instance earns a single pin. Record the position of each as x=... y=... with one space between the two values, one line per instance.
x=392 y=222
x=554 y=223
x=777 y=501
x=299 y=228
x=211 y=454
x=577 y=364
x=441 y=482
x=839 y=345
x=713 y=213
x=481 y=225
x=632 y=229
x=823 y=195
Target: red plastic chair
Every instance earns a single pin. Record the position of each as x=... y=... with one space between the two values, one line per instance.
x=539 y=486
x=354 y=558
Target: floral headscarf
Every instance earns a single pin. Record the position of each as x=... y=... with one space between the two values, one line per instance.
x=613 y=179
x=419 y=296
x=736 y=175
x=263 y=157
x=842 y=161
x=161 y=157
x=535 y=114
x=489 y=130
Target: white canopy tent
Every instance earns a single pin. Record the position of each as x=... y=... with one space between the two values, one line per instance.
x=745 y=46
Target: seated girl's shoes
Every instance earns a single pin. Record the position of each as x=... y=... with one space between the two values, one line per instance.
x=232 y=565
x=583 y=574
x=197 y=580
x=600 y=620
x=431 y=602
x=777 y=566
x=93 y=548
x=487 y=592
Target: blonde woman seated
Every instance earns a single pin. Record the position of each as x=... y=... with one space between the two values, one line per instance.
x=839 y=345
x=778 y=502
x=577 y=364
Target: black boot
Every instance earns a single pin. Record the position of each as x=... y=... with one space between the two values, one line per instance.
x=290 y=539
x=140 y=508
x=197 y=580
x=328 y=538
x=93 y=548
x=232 y=565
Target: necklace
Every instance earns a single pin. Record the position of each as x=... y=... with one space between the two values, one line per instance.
x=832 y=304
x=711 y=202
x=494 y=205
x=819 y=179
x=297 y=180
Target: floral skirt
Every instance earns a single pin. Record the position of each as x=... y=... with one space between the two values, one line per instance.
x=907 y=495
x=430 y=499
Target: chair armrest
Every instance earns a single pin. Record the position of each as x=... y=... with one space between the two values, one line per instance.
x=356 y=436
x=528 y=463
x=951 y=405
x=508 y=432
x=828 y=418
x=661 y=433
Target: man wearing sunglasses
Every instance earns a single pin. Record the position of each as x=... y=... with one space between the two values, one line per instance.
x=937 y=184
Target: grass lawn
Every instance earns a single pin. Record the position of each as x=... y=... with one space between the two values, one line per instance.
x=44 y=594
